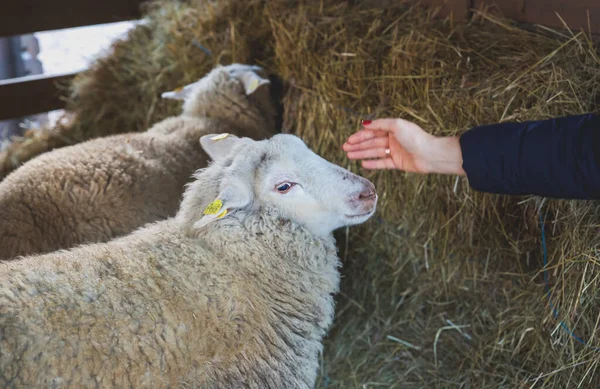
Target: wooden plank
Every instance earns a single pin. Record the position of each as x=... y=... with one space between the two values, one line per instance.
x=573 y=12
x=30 y=95
x=459 y=9
x=28 y=16
x=510 y=8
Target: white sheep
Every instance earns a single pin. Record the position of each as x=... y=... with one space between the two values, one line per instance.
x=107 y=187
x=235 y=291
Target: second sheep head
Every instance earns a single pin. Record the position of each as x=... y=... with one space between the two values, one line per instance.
x=238 y=93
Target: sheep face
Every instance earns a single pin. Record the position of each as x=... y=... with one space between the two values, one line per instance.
x=235 y=84
x=284 y=174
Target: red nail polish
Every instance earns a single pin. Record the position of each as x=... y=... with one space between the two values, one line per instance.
x=365 y=122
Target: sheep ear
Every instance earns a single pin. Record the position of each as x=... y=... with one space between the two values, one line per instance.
x=252 y=81
x=218 y=146
x=231 y=198
x=180 y=93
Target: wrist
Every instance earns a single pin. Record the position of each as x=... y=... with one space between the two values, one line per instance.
x=445 y=156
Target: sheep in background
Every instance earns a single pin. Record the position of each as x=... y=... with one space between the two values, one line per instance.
x=235 y=291
x=107 y=187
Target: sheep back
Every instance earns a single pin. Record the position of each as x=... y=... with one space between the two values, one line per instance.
x=103 y=188
x=244 y=304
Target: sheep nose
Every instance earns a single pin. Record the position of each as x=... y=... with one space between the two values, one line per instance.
x=368 y=193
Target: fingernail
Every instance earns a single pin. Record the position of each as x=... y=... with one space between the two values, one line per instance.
x=365 y=122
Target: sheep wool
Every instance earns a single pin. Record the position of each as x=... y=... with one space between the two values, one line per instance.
x=241 y=300
x=107 y=187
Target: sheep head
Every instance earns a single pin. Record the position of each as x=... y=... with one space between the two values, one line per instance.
x=237 y=93
x=283 y=174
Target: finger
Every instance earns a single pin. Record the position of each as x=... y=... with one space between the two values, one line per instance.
x=363 y=135
x=386 y=124
x=372 y=143
x=373 y=164
x=370 y=153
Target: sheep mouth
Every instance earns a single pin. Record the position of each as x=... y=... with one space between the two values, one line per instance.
x=361 y=215
x=368 y=214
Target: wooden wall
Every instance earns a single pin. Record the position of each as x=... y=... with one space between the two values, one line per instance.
x=36 y=94
x=27 y=16
x=577 y=14
x=458 y=8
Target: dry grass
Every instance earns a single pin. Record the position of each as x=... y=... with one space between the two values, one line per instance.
x=443 y=288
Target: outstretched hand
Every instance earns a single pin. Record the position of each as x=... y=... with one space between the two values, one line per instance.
x=411 y=149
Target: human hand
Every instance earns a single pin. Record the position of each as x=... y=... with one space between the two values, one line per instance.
x=403 y=145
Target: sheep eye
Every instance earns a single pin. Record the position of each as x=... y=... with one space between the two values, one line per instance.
x=285 y=187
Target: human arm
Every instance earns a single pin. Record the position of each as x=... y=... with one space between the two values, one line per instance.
x=411 y=148
x=557 y=158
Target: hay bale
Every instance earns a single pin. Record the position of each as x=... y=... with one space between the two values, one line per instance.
x=443 y=288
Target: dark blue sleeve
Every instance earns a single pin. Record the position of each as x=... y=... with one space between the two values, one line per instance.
x=557 y=158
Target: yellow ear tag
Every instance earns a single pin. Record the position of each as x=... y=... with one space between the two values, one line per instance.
x=253 y=85
x=220 y=136
x=178 y=89
x=222 y=214
x=213 y=207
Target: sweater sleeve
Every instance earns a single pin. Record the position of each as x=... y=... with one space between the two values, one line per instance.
x=556 y=158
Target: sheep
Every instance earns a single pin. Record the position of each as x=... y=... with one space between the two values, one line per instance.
x=235 y=291
x=107 y=187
